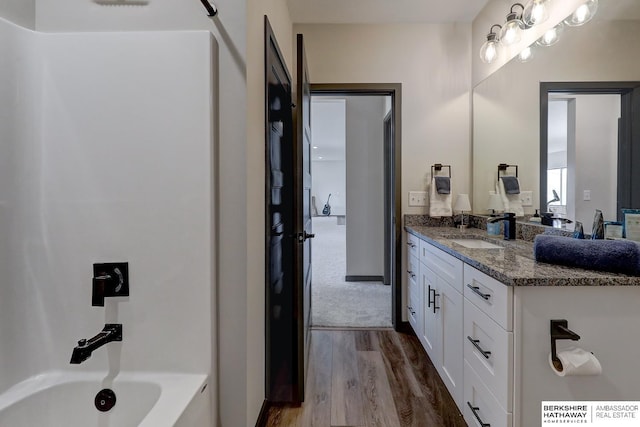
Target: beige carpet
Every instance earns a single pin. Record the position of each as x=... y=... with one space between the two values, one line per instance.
x=334 y=302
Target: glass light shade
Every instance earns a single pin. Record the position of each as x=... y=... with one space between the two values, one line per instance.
x=535 y=12
x=582 y=14
x=551 y=37
x=462 y=203
x=526 y=54
x=511 y=31
x=489 y=51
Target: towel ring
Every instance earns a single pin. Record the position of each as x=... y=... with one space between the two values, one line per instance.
x=502 y=167
x=438 y=167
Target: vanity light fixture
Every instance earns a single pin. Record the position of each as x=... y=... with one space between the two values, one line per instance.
x=489 y=50
x=582 y=14
x=551 y=36
x=510 y=33
x=535 y=12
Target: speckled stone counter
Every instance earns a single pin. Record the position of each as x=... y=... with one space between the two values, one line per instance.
x=514 y=264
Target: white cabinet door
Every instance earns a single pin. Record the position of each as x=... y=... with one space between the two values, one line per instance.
x=451 y=303
x=431 y=335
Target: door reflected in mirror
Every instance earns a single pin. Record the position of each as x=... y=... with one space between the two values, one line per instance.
x=582 y=155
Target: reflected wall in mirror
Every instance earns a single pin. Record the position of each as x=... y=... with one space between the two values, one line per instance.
x=506 y=106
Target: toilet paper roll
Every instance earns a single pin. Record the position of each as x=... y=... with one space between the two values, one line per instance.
x=576 y=361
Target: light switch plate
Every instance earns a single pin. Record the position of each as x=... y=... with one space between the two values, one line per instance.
x=586 y=195
x=526 y=198
x=417 y=198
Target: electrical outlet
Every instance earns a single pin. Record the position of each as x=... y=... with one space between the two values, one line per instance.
x=526 y=198
x=417 y=198
x=586 y=195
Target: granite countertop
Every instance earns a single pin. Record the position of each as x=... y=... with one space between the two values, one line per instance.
x=514 y=264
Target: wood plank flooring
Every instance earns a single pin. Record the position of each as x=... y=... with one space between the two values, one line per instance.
x=367 y=378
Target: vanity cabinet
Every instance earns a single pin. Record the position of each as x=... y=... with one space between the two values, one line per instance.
x=491 y=342
x=440 y=279
x=488 y=350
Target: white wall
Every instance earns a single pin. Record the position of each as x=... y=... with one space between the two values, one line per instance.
x=328 y=167
x=365 y=186
x=432 y=61
x=21 y=12
x=506 y=127
x=21 y=314
x=329 y=176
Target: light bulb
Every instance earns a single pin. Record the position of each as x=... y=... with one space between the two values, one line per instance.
x=489 y=51
x=535 y=12
x=582 y=14
x=510 y=33
x=526 y=55
x=551 y=36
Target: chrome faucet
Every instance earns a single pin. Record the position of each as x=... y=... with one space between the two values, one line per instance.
x=110 y=332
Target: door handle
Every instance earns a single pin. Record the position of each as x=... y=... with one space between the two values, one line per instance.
x=304 y=236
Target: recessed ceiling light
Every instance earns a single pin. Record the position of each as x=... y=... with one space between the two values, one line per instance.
x=320 y=157
x=315 y=147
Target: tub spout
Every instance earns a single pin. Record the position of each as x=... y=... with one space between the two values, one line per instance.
x=110 y=332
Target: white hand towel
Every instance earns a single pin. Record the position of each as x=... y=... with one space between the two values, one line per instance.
x=439 y=204
x=511 y=202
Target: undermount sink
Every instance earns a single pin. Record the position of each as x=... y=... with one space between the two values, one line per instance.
x=476 y=244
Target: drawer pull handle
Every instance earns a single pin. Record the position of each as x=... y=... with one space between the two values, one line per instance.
x=411 y=273
x=475 y=414
x=476 y=290
x=485 y=353
x=413 y=245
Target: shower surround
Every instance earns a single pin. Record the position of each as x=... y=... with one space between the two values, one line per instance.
x=107 y=154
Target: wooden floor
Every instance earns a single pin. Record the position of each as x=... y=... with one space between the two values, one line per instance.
x=369 y=378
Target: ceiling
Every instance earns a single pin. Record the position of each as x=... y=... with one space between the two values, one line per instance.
x=383 y=11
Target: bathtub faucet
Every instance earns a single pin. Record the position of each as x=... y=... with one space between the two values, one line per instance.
x=110 y=332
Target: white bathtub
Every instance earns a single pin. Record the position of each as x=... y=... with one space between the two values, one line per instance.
x=142 y=399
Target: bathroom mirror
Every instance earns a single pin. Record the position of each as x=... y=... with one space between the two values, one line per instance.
x=506 y=105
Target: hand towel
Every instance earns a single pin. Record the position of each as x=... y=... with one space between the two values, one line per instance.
x=511 y=202
x=616 y=256
x=439 y=204
x=443 y=184
x=511 y=184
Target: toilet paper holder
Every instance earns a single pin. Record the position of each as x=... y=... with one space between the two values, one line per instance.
x=560 y=331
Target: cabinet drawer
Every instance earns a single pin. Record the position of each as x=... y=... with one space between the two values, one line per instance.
x=490 y=296
x=413 y=245
x=413 y=307
x=486 y=410
x=490 y=354
x=413 y=269
x=444 y=265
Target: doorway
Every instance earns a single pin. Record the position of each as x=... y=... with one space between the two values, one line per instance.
x=621 y=170
x=356 y=188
